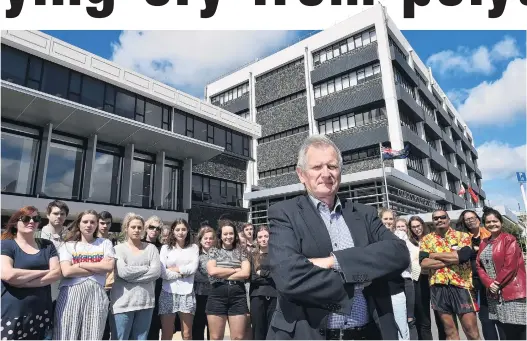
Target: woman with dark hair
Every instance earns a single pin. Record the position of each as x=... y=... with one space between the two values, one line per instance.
x=501 y=268
x=85 y=259
x=179 y=262
x=470 y=223
x=205 y=241
x=263 y=290
x=228 y=268
x=417 y=230
x=29 y=266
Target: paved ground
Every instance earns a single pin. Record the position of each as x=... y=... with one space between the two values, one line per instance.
x=462 y=336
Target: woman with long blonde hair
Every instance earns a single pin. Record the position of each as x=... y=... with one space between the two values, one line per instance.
x=133 y=296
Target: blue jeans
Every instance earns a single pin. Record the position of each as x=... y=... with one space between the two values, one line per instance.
x=132 y=325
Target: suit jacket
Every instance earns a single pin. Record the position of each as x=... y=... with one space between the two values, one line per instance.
x=308 y=294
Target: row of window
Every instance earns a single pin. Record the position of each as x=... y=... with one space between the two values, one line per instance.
x=415 y=163
x=407 y=121
x=425 y=105
x=439 y=100
x=276 y=172
x=431 y=142
x=421 y=77
x=217 y=191
x=230 y=95
x=65 y=170
x=344 y=46
x=21 y=68
x=351 y=120
x=202 y=130
x=397 y=48
x=403 y=82
x=283 y=134
x=362 y=154
x=348 y=80
x=281 y=101
x=280 y=69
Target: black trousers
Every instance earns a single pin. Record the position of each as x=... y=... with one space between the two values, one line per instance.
x=409 y=292
x=200 y=319
x=106 y=334
x=155 y=324
x=262 y=309
x=509 y=331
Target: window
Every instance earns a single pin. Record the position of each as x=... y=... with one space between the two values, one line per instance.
x=436 y=176
x=200 y=130
x=276 y=172
x=403 y=82
x=92 y=93
x=360 y=154
x=74 y=91
x=19 y=156
x=350 y=120
x=34 y=73
x=55 y=80
x=415 y=164
x=230 y=94
x=281 y=101
x=125 y=104
x=345 y=81
x=344 y=46
x=106 y=176
x=14 y=65
x=283 y=134
x=65 y=166
x=407 y=121
x=171 y=186
x=142 y=180
x=154 y=115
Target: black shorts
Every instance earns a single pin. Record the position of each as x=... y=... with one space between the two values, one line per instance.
x=452 y=300
x=227 y=299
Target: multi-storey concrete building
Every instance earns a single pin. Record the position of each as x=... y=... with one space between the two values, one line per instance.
x=361 y=84
x=82 y=129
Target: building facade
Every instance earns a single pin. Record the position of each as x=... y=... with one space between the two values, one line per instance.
x=361 y=84
x=82 y=129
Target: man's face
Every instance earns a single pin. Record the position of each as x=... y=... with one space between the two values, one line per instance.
x=57 y=217
x=104 y=226
x=164 y=237
x=248 y=230
x=441 y=221
x=322 y=174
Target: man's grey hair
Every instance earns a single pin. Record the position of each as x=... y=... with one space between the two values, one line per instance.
x=316 y=141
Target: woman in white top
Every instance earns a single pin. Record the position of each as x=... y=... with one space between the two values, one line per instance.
x=401 y=231
x=179 y=262
x=82 y=305
x=133 y=295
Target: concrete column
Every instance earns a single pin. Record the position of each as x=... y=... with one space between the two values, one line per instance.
x=421 y=130
x=43 y=159
x=252 y=171
x=25 y=172
x=91 y=152
x=187 y=184
x=310 y=94
x=159 y=179
x=444 y=179
x=426 y=168
x=439 y=147
x=126 y=185
x=411 y=58
x=449 y=207
x=388 y=87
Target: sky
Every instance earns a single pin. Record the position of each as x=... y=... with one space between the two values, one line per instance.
x=482 y=72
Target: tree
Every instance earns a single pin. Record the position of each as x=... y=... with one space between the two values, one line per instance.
x=517 y=231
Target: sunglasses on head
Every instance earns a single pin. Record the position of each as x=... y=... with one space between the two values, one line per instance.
x=157 y=228
x=442 y=217
x=27 y=218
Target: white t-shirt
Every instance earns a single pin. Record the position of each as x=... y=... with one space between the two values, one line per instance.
x=79 y=252
x=186 y=260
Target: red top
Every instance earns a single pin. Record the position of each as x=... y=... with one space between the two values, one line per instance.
x=509 y=265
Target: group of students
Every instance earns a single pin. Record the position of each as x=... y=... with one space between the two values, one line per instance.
x=459 y=271
x=77 y=282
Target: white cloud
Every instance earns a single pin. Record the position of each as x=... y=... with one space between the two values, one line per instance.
x=498 y=160
x=478 y=60
x=500 y=101
x=190 y=59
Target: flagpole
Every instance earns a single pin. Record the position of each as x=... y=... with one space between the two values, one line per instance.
x=384 y=177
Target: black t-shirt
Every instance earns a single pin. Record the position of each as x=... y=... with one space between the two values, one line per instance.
x=157 y=243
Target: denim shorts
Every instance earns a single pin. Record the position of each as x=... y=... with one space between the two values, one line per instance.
x=227 y=299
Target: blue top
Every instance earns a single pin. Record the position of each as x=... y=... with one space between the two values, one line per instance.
x=23 y=301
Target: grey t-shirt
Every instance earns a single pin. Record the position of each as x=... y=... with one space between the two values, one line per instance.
x=226 y=259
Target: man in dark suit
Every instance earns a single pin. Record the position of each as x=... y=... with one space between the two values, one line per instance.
x=330 y=259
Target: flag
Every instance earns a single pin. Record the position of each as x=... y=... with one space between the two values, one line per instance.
x=390 y=154
x=473 y=194
x=461 y=191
